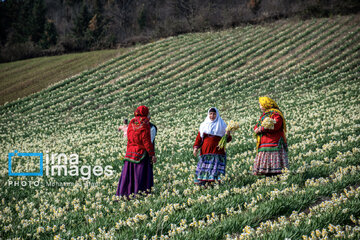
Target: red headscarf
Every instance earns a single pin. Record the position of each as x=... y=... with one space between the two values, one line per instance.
x=141 y=118
x=141 y=111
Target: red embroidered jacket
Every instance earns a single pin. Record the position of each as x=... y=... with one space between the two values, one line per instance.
x=271 y=139
x=209 y=144
x=139 y=142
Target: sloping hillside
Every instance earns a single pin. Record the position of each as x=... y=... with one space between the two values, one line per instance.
x=311 y=68
x=21 y=78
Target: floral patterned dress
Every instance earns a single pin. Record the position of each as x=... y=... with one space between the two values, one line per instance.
x=271 y=157
x=212 y=160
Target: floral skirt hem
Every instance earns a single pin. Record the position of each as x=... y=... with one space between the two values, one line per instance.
x=210 y=168
x=270 y=162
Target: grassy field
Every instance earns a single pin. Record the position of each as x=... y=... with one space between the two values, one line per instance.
x=21 y=78
x=311 y=68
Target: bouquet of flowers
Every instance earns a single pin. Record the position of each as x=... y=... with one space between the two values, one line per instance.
x=268 y=123
x=232 y=126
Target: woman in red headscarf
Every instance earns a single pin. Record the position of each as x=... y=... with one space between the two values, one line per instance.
x=137 y=173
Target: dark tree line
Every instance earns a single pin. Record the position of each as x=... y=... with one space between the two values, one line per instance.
x=31 y=28
x=25 y=29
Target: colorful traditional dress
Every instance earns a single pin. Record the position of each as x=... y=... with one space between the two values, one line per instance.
x=212 y=160
x=137 y=173
x=271 y=157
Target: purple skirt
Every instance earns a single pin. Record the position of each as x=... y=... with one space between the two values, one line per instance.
x=136 y=177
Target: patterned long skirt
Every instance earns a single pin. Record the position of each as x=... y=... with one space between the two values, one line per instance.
x=135 y=178
x=268 y=163
x=210 y=168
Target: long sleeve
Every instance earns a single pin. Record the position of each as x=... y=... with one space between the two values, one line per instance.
x=209 y=144
x=152 y=133
x=146 y=137
x=229 y=138
x=198 y=141
x=277 y=125
x=258 y=123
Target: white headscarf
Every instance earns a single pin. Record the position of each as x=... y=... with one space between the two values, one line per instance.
x=216 y=127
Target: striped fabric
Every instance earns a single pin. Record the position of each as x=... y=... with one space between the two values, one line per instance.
x=273 y=147
x=271 y=161
x=210 y=168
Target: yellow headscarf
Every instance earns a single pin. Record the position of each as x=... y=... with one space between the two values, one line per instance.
x=267 y=103
x=270 y=105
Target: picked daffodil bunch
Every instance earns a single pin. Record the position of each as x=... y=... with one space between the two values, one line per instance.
x=268 y=123
x=232 y=126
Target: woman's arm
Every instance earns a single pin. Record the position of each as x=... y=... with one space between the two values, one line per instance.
x=197 y=144
x=198 y=141
x=146 y=138
x=229 y=137
x=153 y=133
x=257 y=126
x=277 y=125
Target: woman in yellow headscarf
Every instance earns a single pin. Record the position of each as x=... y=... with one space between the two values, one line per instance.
x=271 y=157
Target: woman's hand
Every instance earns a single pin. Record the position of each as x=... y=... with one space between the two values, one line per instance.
x=195 y=151
x=153 y=159
x=257 y=130
x=227 y=133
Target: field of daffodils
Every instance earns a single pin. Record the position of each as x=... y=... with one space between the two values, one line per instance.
x=310 y=67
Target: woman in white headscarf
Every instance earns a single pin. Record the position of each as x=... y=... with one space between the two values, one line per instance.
x=212 y=159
